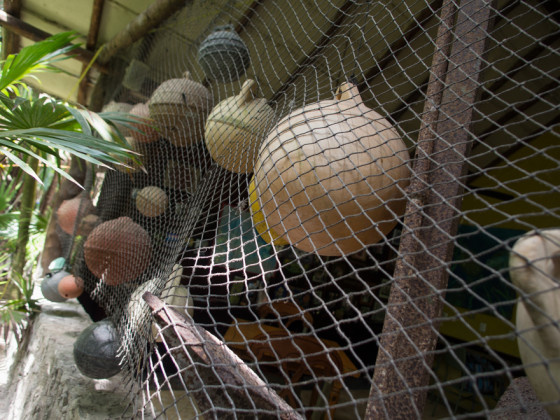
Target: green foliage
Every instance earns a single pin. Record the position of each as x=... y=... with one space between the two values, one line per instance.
x=42 y=127
x=37 y=134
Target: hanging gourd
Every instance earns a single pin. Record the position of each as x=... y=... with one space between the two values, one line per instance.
x=147 y=133
x=118 y=251
x=223 y=55
x=179 y=108
x=73 y=210
x=151 y=201
x=267 y=233
x=330 y=176
x=96 y=350
x=236 y=127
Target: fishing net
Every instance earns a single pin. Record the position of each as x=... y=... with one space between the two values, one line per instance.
x=340 y=211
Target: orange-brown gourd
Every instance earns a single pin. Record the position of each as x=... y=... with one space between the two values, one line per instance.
x=67 y=213
x=147 y=133
x=330 y=176
x=70 y=287
x=236 y=127
x=118 y=251
x=180 y=107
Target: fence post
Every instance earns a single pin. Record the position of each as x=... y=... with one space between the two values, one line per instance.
x=410 y=331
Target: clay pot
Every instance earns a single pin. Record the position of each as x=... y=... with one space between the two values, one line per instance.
x=148 y=133
x=330 y=176
x=151 y=201
x=236 y=127
x=118 y=251
x=180 y=107
x=223 y=55
x=67 y=213
x=96 y=350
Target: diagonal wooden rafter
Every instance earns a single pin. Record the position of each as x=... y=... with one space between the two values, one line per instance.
x=26 y=30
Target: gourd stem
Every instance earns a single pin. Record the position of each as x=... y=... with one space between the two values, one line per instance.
x=248 y=91
x=348 y=91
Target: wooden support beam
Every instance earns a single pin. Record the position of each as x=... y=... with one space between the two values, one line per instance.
x=26 y=30
x=10 y=40
x=410 y=330
x=217 y=378
x=155 y=14
x=93 y=34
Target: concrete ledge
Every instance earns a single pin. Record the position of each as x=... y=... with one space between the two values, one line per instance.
x=45 y=383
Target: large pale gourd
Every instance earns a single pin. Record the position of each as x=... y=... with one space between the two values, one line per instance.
x=330 y=176
x=236 y=127
x=535 y=270
x=180 y=107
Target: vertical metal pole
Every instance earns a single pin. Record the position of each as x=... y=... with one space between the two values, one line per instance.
x=433 y=212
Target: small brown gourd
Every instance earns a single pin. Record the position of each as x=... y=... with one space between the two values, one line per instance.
x=330 y=176
x=118 y=251
x=179 y=108
x=236 y=127
x=67 y=214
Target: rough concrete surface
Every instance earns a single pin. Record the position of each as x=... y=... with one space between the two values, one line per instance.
x=41 y=380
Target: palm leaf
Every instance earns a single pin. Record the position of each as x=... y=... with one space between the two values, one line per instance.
x=36 y=57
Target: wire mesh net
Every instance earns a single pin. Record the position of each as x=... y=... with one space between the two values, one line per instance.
x=349 y=206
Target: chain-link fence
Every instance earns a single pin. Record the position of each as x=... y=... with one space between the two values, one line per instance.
x=336 y=203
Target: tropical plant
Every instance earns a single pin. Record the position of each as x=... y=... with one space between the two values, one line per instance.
x=37 y=131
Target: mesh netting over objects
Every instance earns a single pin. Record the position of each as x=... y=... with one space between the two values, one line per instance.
x=345 y=209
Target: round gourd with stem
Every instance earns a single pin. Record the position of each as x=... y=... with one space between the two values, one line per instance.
x=236 y=127
x=179 y=108
x=330 y=176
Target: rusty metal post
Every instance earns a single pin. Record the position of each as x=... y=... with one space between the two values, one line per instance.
x=410 y=331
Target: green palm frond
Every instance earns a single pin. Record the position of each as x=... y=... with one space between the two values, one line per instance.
x=36 y=58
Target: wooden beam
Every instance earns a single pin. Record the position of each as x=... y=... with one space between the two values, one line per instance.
x=93 y=34
x=10 y=40
x=28 y=31
x=221 y=382
x=155 y=14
